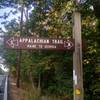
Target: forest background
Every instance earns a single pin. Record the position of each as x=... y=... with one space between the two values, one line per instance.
x=50 y=72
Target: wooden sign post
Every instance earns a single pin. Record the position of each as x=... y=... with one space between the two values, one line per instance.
x=77 y=57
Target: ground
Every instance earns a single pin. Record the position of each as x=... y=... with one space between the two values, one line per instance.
x=14 y=92
x=21 y=93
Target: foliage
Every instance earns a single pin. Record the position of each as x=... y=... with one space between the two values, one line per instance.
x=52 y=71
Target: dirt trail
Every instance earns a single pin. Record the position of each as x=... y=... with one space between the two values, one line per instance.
x=14 y=92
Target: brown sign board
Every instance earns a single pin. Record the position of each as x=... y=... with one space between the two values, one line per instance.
x=28 y=43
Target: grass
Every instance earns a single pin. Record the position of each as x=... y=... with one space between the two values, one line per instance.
x=34 y=94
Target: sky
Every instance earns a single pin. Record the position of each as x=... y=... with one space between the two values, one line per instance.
x=11 y=16
x=7 y=10
x=2 y=65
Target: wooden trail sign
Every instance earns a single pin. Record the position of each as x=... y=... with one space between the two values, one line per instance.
x=38 y=43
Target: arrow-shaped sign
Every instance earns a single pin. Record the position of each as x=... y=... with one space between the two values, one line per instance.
x=39 y=43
